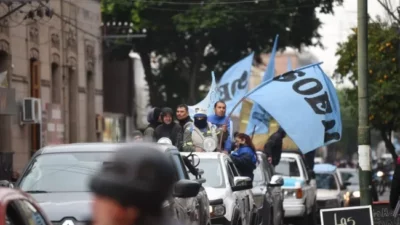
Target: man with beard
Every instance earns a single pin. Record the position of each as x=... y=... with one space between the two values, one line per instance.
x=154 y=119
x=200 y=129
x=219 y=120
x=168 y=128
x=182 y=114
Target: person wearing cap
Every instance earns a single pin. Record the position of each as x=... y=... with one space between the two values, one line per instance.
x=200 y=129
x=168 y=128
x=395 y=187
x=130 y=189
x=154 y=119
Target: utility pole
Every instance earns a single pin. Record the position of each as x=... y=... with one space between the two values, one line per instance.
x=364 y=150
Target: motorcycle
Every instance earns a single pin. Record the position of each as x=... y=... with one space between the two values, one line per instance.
x=383 y=180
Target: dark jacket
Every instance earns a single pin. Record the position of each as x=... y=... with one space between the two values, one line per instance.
x=171 y=131
x=273 y=147
x=245 y=160
x=395 y=188
x=152 y=118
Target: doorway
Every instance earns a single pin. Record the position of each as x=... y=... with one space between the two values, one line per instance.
x=36 y=134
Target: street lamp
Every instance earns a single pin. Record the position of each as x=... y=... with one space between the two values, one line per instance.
x=134 y=55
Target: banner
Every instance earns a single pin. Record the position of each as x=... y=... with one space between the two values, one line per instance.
x=209 y=101
x=259 y=118
x=233 y=84
x=307 y=107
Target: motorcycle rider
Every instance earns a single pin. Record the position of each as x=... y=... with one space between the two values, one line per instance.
x=154 y=119
x=195 y=134
x=130 y=189
x=219 y=120
x=169 y=128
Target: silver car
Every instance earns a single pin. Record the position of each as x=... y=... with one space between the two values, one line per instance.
x=267 y=192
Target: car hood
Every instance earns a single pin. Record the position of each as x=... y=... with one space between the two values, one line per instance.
x=215 y=193
x=58 y=206
x=353 y=188
x=323 y=194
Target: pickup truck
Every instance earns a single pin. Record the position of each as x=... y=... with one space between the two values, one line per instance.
x=299 y=189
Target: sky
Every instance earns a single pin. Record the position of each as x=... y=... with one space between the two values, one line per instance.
x=335 y=29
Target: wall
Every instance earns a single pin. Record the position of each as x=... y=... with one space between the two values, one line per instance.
x=77 y=48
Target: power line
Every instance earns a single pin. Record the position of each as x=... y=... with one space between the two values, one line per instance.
x=205 y=3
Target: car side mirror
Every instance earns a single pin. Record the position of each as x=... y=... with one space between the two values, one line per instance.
x=200 y=172
x=186 y=189
x=276 y=181
x=242 y=183
x=6 y=183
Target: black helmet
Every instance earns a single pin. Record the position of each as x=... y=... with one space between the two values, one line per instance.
x=138 y=175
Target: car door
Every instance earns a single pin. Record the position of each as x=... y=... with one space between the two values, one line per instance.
x=309 y=190
x=189 y=206
x=22 y=212
x=244 y=196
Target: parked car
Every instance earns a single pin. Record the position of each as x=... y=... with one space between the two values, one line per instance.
x=268 y=196
x=352 y=195
x=231 y=199
x=57 y=177
x=329 y=191
x=299 y=189
x=19 y=208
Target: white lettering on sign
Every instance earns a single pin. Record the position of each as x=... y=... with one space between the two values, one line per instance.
x=344 y=221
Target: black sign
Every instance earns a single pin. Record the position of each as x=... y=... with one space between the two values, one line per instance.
x=8 y=105
x=383 y=215
x=361 y=215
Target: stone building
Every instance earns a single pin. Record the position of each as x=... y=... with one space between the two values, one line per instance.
x=57 y=60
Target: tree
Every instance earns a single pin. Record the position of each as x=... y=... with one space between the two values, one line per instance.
x=193 y=38
x=383 y=79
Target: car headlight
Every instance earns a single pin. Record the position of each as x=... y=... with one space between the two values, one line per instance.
x=293 y=193
x=380 y=174
x=217 y=210
x=356 y=194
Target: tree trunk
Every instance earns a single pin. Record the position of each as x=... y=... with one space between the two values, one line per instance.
x=388 y=142
x=155 y=99
x=197 y=60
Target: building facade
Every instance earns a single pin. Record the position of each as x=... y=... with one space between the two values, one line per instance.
x=58 y=60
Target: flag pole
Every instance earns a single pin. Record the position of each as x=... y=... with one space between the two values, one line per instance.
x=254 y=131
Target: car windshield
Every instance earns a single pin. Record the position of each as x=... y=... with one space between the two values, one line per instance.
x=288 y=167
x=62 y=172
x=350 y=176
x=325 y=181
x=212 y=173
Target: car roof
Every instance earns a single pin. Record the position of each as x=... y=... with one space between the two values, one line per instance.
x=206 y=155
x=324 y=168
x=289 y=154
x=348 y=169
x=298 y=152
x=94 y=147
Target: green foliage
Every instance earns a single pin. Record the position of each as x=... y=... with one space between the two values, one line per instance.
x=181 y=31
x=383 y=75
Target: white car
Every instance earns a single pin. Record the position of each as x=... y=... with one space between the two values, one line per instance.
x=330 y=192
x=231 y=199
x=299 y=189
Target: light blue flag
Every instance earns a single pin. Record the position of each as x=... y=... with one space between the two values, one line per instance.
x=289 y=63
x=234 y=84
x=208 y=102
x=307 y=106
x=259 y=118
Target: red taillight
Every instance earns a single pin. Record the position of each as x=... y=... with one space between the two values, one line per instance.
x=299 y=193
